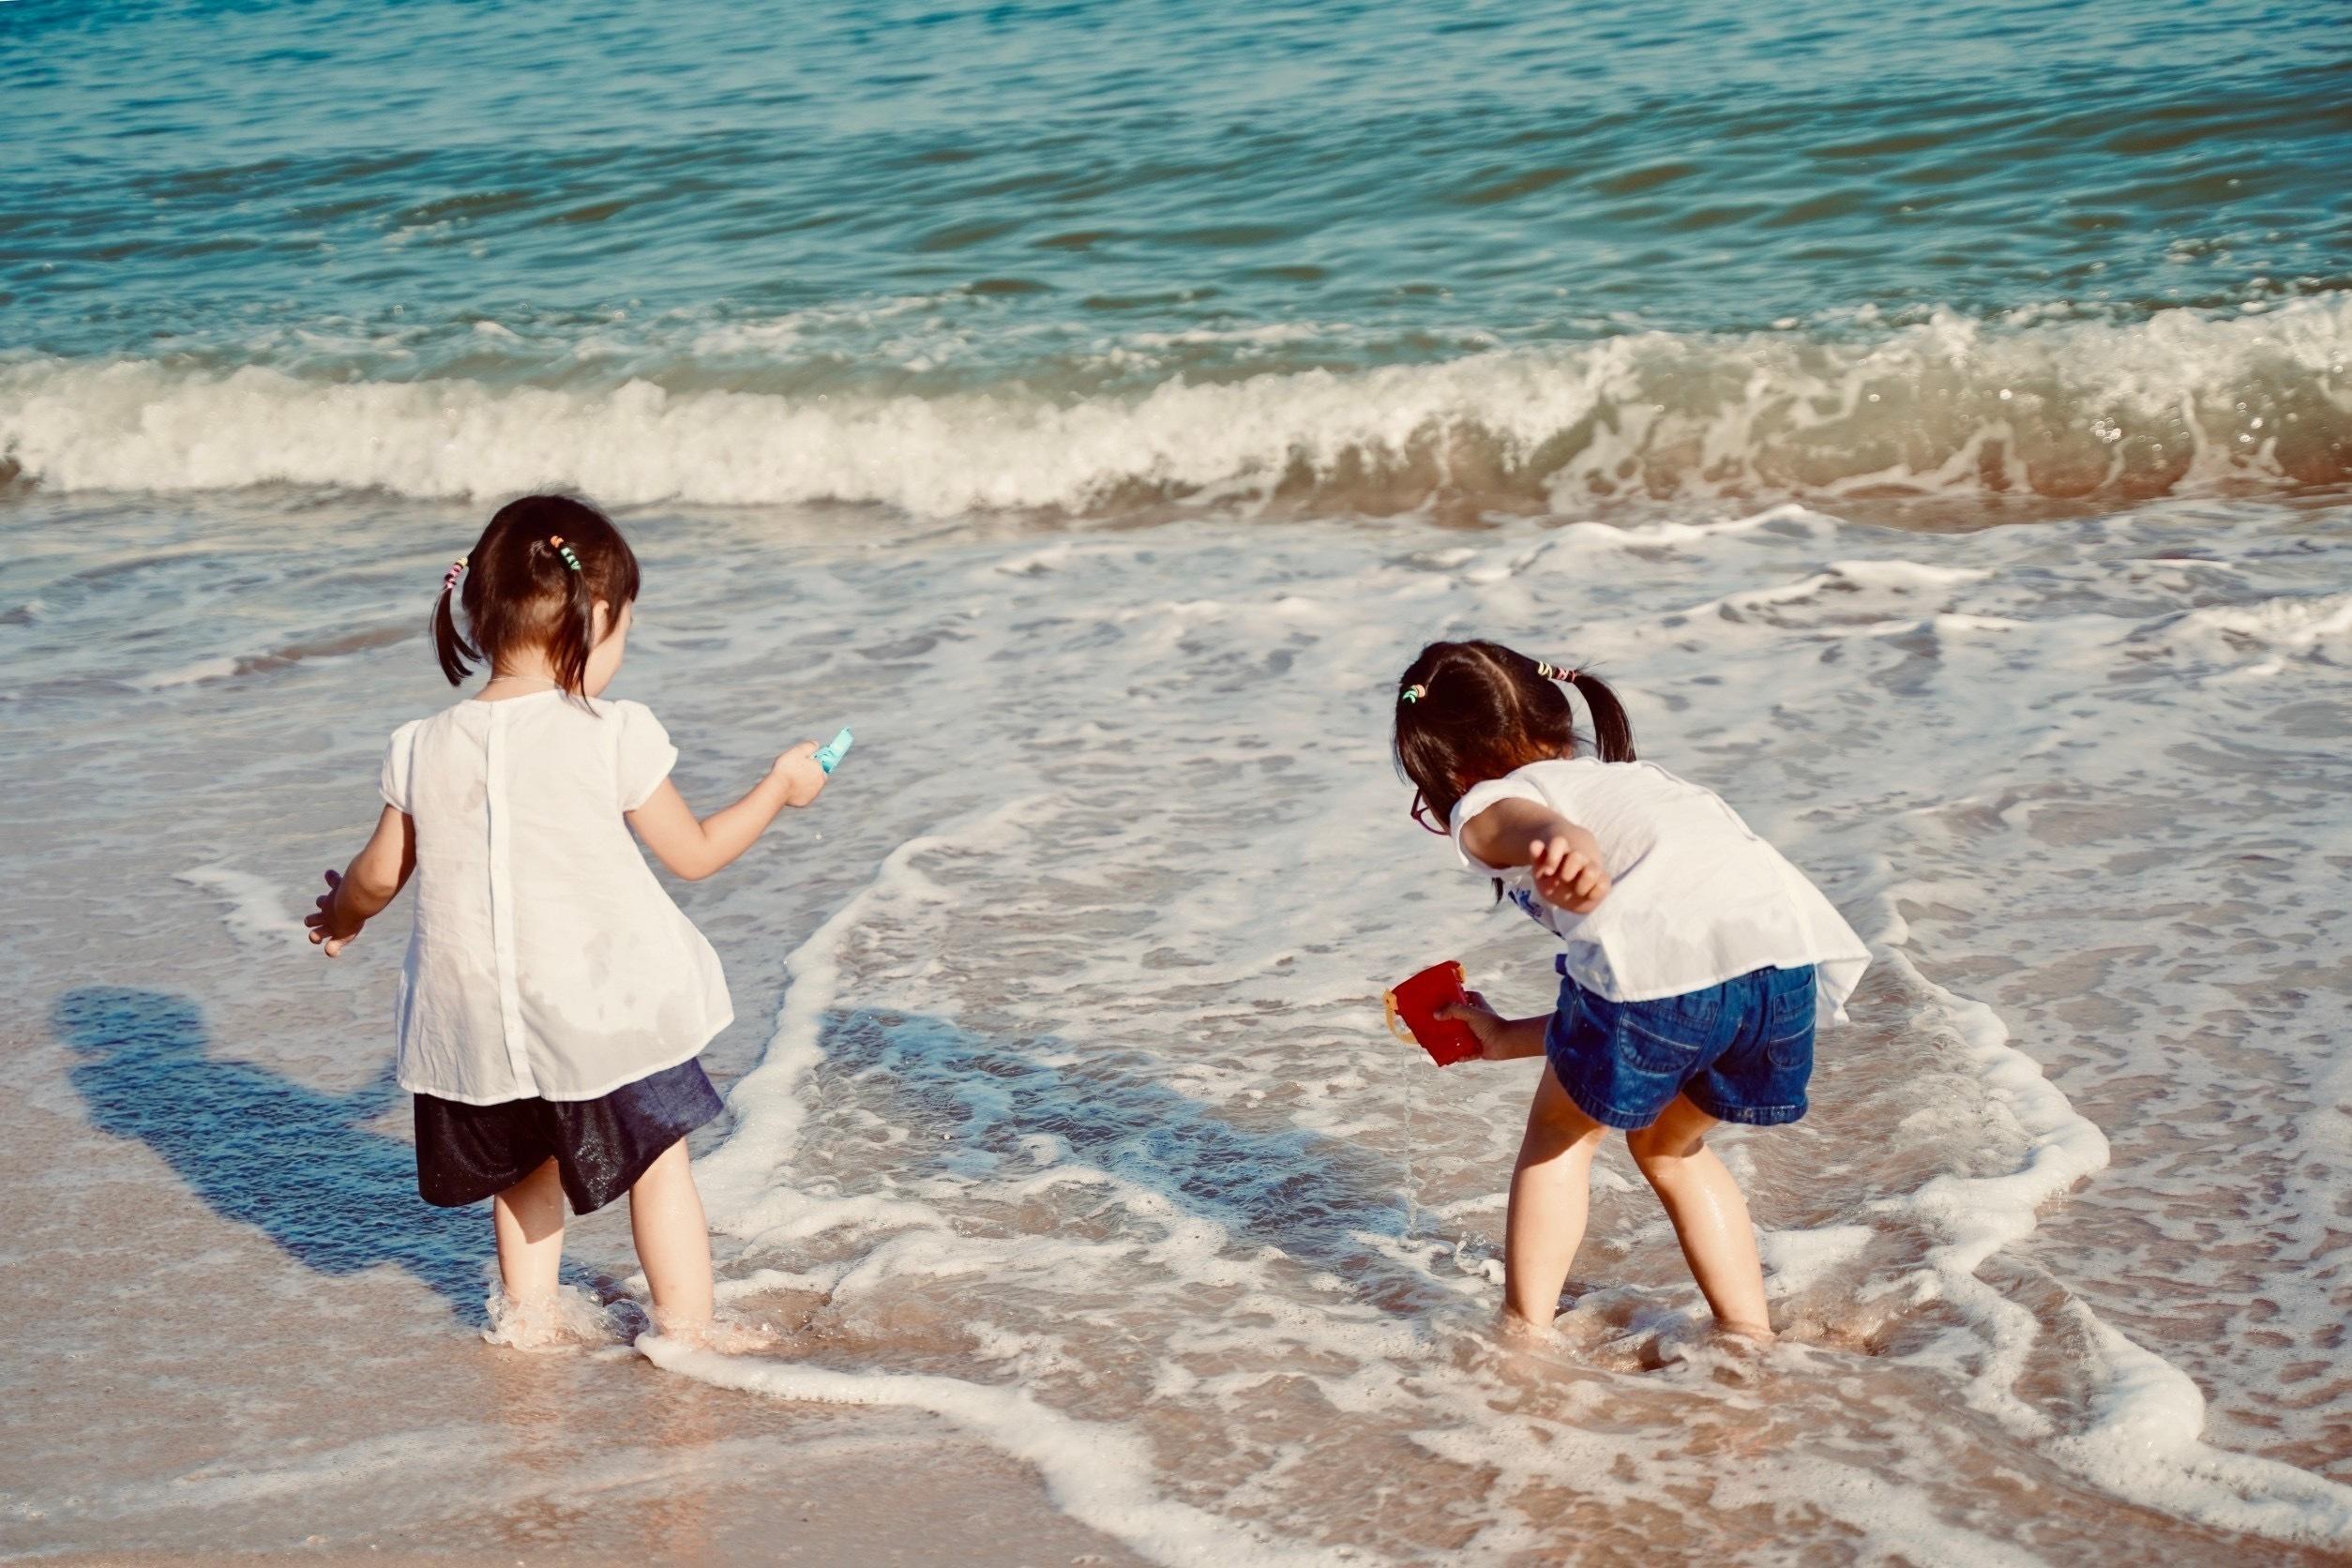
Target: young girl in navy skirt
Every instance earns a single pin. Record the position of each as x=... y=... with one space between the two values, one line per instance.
x=1694 y=957
x=554 y=999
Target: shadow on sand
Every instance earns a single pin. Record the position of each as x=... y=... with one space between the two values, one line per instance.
x=264 y=1151
x=302 y=1167
x=1321 y=1201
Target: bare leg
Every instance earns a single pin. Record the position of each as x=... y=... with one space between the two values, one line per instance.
x=1551 y=1187
x=529 y=1219
x=673 y=1243
x=1710 y=1217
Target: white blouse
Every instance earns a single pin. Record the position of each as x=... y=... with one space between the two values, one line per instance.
x=546 y=959
x=1696 y=898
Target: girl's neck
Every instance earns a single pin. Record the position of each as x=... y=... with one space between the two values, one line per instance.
x=518 y=677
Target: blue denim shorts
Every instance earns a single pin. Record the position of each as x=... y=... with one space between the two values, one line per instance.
x=1742 y=1051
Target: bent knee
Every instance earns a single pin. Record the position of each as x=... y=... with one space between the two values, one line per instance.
x=1655 y=1145
x=1548 y=1137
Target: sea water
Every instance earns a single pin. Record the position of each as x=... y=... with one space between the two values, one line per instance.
x=1097 y=407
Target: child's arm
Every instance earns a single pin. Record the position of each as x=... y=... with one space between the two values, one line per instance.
x=374 y=878
x=1566 y=859
x=694 y=850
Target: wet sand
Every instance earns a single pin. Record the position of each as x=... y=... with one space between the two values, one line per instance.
x=201 y=1394
x=1061 y=1102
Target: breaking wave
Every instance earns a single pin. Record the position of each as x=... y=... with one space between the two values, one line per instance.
x=1948 y=406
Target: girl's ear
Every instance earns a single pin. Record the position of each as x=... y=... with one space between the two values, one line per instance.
x=599 y=622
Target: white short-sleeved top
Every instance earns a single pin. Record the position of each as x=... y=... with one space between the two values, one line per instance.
x=1696 y=898
x=546 y=959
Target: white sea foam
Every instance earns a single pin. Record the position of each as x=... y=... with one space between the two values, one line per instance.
x=254 y=906
x=189 y=674
x=572 y=1319
x=2289 y=625
x=1146 y=1133
x=1947 y=407
x=766 y=1103
x=1078 y=1128
x=2141 y=1442
x=1094 y=1473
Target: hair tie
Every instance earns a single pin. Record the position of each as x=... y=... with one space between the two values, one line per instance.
x=1412 y=694
x=457 y=570
x=555 y=542
x=1553 y=672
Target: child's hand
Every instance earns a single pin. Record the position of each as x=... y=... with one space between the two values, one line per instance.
x=1478 y=1014
x=1568 y=871
x=798 y=771
x=328 y=931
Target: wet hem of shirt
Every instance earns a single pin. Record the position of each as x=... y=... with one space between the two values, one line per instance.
x=621 y=1082
x=1865 y=958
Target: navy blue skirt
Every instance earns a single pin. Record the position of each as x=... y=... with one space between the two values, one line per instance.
x=465 y=1154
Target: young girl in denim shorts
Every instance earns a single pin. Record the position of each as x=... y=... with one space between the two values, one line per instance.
x=554 y=999
x=1694 y=960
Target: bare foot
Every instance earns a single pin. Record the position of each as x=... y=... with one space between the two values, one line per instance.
x=726 y=1335
x=567 y=1321
x=1520 y=1333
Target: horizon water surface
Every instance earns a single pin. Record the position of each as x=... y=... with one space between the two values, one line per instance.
x=1346 y=259
x=1096 y=405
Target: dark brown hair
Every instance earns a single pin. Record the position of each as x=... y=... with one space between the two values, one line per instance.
x=520 y=590
x=1468 y=711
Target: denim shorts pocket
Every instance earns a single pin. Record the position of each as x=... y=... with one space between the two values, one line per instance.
x=1788 y=1019
x=1788 y=1003
x=1654 y=1053
x=1659 y=1039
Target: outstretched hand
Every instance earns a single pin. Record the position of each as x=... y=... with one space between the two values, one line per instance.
x=798 y=771
x=324 y=932
x=1568 y=871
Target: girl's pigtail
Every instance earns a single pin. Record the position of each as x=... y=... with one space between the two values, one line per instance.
x=456 y=654
x=1612 y=731
x=577 y=633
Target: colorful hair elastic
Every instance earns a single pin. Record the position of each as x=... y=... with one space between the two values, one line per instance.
x=555 y=542
x=1553 y=672
x=1412 y=694
x=457 y=570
